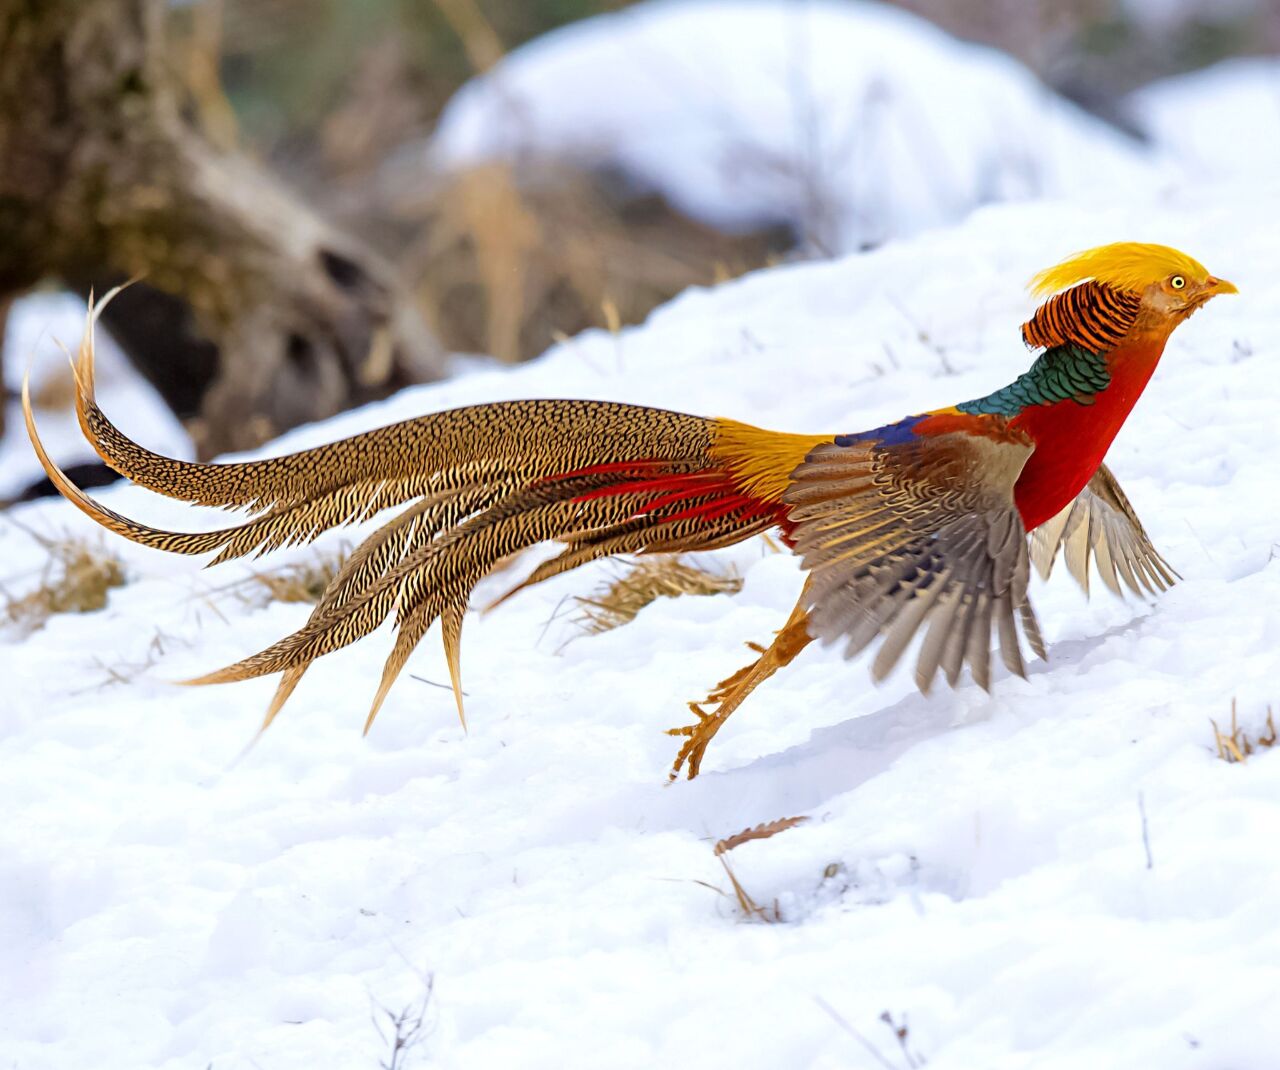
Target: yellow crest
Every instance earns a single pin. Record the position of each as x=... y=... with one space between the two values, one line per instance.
x=1126 y=265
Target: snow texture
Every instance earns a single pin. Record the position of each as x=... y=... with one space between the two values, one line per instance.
x=975 y=863
x=852 y=122
x=1222 y=122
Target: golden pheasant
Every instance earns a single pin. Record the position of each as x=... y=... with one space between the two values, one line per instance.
x=918 y=527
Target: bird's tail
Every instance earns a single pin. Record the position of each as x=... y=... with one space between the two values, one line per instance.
x=478 y=484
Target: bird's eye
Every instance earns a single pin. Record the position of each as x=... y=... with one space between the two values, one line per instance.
x=1177 y=282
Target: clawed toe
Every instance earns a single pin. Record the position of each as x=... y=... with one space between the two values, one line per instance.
x=730 y=692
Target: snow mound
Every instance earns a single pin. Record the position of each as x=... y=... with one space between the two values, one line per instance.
x=852 y=122
x=1061 y=874
x=1222 y=122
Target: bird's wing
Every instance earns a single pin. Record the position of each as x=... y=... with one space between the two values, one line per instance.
x=1100 y=523
x=899 y=533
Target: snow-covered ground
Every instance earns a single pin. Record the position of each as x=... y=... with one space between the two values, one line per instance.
x=973 y=863
x=36 y=326
x=1220 y=122
x=853 y=122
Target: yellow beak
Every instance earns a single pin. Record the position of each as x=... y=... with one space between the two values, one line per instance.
x=1219 y=286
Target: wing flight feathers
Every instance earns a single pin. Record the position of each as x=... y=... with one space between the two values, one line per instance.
x=1101 y=525
x=915 y=537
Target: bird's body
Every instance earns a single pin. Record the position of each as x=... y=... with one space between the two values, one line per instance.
x=919 y=526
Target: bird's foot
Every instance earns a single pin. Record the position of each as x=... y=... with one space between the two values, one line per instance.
x=698 y=734
x=730 y=693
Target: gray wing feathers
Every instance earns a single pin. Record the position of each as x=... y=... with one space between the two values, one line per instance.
x=922 y=540
x=1101 y=525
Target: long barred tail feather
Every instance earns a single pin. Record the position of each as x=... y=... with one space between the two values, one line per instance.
x=477 y=484
x=379 y=552
x=435 y=580
x=487 y=441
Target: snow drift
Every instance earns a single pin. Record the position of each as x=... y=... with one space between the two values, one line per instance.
x=1061 y=874
x=1222 y=122
x=852 y=122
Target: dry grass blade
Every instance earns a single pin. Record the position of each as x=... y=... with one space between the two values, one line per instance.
x=75 y=579
x=297 y=581
x=649 y=579
x=1236 y=745
x=612 y=317
x=479 y=38
x=303 y=581
x=749 y=907
x=125 y=671
x=771 y=544
x=506 y=261
x=760 y=832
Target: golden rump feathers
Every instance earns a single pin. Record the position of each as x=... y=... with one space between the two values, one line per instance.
x=1125 y=265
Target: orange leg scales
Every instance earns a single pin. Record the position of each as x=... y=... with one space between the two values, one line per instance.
x=730 y=693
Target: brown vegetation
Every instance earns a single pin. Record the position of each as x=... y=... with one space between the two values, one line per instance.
x=748 y=906
x=1237 y=745
x=647 y=580
x=75 y=579
x=295 y=581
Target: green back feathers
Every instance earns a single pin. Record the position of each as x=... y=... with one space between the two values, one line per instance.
x=1064 y=373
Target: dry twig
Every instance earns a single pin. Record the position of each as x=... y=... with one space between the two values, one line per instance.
x=902 y=1034
x=408 y=1029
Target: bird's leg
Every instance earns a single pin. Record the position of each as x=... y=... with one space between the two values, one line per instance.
x=729 y=694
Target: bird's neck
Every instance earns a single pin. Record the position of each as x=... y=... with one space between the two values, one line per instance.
x=1072 y=436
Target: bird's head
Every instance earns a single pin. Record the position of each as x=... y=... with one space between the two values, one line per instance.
x=1162 y=285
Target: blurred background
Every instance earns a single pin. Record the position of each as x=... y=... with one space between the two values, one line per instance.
x=326 y=201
